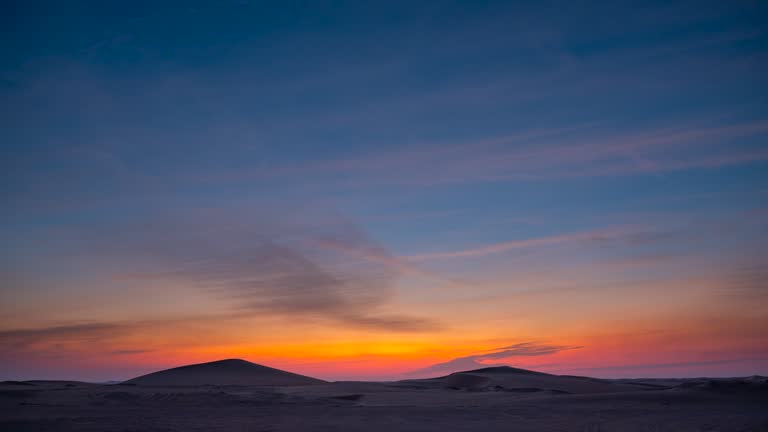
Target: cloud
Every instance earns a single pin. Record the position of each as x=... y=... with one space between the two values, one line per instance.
x=651 y=366
x=400 y=265
x=56 y=341
x=223 y=272
x=580 y=151
x=494 y=248
x=475 y=361
x=273 y=268
x=392 y=322
x=96 y=339
x=87 y=332
x=130 y=352
x=750 y=282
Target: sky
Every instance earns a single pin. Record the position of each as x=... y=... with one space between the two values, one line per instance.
x=384 y=190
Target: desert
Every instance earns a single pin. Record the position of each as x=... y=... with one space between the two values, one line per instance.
x=384 y=215
x=205 y=398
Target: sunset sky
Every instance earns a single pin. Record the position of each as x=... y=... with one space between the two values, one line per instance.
x=384 y=190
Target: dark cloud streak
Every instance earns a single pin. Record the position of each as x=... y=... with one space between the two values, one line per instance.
x=23 y=338
x=475 y=361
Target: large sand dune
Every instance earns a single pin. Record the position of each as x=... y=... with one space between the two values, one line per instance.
x=224 y=372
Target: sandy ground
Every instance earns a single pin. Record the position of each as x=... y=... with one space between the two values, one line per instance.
x=567 y=404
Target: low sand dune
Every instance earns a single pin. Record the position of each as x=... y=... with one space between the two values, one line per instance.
x=521 y=380
x=224 y=372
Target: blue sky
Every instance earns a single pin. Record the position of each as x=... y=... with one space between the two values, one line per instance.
x=510 y=147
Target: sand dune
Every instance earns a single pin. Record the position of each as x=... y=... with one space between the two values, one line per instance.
x=511 y=379
x=224 y=372
x=491 y=399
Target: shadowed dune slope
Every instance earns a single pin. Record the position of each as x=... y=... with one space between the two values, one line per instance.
x=224 y=372
x=466 y=381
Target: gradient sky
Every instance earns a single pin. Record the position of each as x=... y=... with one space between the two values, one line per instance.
x=379 y=190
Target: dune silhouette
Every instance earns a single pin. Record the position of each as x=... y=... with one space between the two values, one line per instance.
x=511 y=379
x=224 y=372
x=505 y=370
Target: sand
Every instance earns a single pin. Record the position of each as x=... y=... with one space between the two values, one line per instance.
x=521 y=380
x=224 y=372
x=496 y=400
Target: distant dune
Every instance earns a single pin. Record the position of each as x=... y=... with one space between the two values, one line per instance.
x=224 y=372
x=505 y=370
x=505 y=378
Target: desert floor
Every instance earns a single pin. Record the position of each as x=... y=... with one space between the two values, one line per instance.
x=416 y=405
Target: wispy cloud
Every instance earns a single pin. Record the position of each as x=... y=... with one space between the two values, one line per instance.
x=130 y=351
x=479 y=360
x=58 y=341
x=377 y=255
x=672 y=365
x=276 y=269
x=579 y=151
x=750 y=282
x=494 y=248
x=85 y=332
